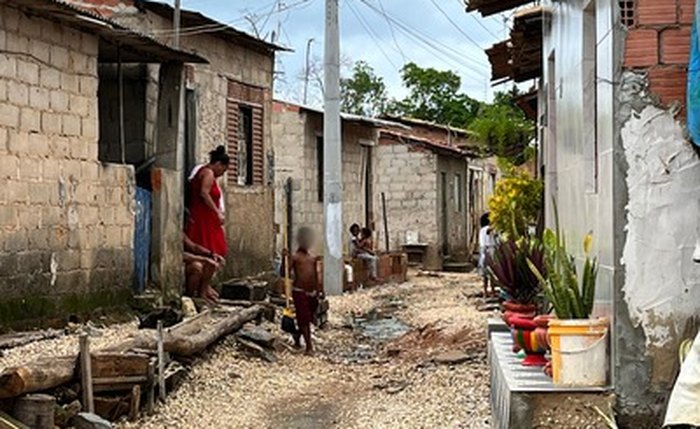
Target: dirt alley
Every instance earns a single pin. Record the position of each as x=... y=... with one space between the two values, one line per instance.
x=375 y=367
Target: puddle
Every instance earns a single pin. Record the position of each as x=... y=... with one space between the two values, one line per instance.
x=375 y=327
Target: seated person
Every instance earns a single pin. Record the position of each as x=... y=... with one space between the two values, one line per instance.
x=365 y=251
x=200 y=266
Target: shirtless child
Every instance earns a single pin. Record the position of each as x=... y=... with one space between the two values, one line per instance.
x=307 y=288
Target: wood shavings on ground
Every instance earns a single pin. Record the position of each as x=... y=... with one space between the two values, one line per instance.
x=335 y=389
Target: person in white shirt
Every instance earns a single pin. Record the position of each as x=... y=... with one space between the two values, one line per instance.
x=487 y=242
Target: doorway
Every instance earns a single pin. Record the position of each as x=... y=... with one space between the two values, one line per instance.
x=444 y=214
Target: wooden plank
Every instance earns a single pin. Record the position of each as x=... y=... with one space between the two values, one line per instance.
x=86 y=373
x=105 y=365
x=161 y=362
x=135 y=403
x=120 y=380
x=7 y=422
x=150 y=393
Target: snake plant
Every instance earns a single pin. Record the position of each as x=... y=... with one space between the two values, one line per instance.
x=570 y=298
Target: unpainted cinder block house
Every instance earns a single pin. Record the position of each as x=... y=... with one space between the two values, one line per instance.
x=67 y=223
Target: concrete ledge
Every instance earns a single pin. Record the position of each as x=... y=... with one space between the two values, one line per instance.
x=522 y=396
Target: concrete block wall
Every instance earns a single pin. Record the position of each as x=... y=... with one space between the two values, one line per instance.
x=66 y=222
x=250 y=224
x=295 y=135
x=408 y=177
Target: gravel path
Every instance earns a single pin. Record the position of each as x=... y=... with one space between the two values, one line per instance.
x=353 y=381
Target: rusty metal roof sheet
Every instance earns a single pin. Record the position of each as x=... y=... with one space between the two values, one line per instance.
x=491 y=7
x=520 y=57
x=207 y=25
x=116 y=41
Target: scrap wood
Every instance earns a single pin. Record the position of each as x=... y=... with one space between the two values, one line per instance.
x=194 y=336
x=7 y=422
x=9 y=341
x=40 y=374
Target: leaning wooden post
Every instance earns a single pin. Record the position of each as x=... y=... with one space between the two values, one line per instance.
x=86 y=373
x=161 y=362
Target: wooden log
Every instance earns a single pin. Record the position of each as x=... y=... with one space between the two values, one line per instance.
x=9 y=341
x=35 y=410
x=151 y=387
x=192 y=338
x=7 y=422
x=135 y=405
x=161 y=362
x=86 y=374
x=40 y=374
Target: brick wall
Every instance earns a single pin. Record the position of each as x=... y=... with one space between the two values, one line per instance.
x=66 y=224
x=659 y=42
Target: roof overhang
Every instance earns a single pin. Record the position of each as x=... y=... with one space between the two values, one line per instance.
x=116 y=42
x=528 y=104
x=520 y=57
x=345 y=117
x=492 y=7
x=433 y=145
x=207 y=25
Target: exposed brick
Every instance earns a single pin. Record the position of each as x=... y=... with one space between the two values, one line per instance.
x=641 y=48
x=59 y=57
x=30 y=119
x=50 y=78
x=70 y=125
x=59 y=100
x=18 y=93
x=39 y=144
x=669 y=83
x=51 y=123
x=8 y=66
x=686 y=11
x=17 y=43
x=39 y=98
x=675 y=45
x=9 y=115
x=39 y=49
x=656 y=12
x=28 y=72
x=9 y=168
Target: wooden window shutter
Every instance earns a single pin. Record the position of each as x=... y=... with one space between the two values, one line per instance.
x=258 y=147
x=232 y=112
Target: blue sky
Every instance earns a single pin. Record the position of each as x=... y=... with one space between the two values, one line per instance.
x=415 y=30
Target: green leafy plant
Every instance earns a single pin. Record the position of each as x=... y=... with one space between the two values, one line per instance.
x=571 y=299
x=509 y=268
x=516 y=203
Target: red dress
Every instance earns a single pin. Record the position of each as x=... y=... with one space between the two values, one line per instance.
x=204 y=227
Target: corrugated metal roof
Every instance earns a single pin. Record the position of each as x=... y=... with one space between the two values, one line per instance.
x=376 y=122
x=116 y=41
x=491 y=7
x=207 y=25
x=431 y=144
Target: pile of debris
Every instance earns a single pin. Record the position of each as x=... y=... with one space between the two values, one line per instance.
x=93 y=387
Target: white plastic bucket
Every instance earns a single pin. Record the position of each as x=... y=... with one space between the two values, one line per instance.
x=579 y=352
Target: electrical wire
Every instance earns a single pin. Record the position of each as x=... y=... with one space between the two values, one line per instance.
x=478 y=21
x=393 y=33
x=454 y=24
x=436 y=48
x=371 y=33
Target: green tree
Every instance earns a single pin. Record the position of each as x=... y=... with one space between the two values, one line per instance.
x=503 y=128
x=363 y=93
x=435 y=96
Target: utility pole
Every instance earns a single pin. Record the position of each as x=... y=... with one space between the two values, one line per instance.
x=176 y=25
x=332 y=167
x=307 y=70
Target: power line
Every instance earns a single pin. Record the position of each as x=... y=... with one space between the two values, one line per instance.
x=371 y=33
x=454 y=24
x=393 y=33
x=478 y=21
x=431 y=46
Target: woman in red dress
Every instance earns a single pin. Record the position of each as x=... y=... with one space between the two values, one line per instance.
x=206 y=219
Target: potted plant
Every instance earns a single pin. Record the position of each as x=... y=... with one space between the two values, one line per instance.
x=509 y=268
x=577 y=341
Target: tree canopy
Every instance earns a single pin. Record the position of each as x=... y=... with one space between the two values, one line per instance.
x=435 y=95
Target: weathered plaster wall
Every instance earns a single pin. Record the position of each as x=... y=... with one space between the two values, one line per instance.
x=66 y=220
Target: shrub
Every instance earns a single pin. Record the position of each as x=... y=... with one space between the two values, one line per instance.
x=516 y=203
